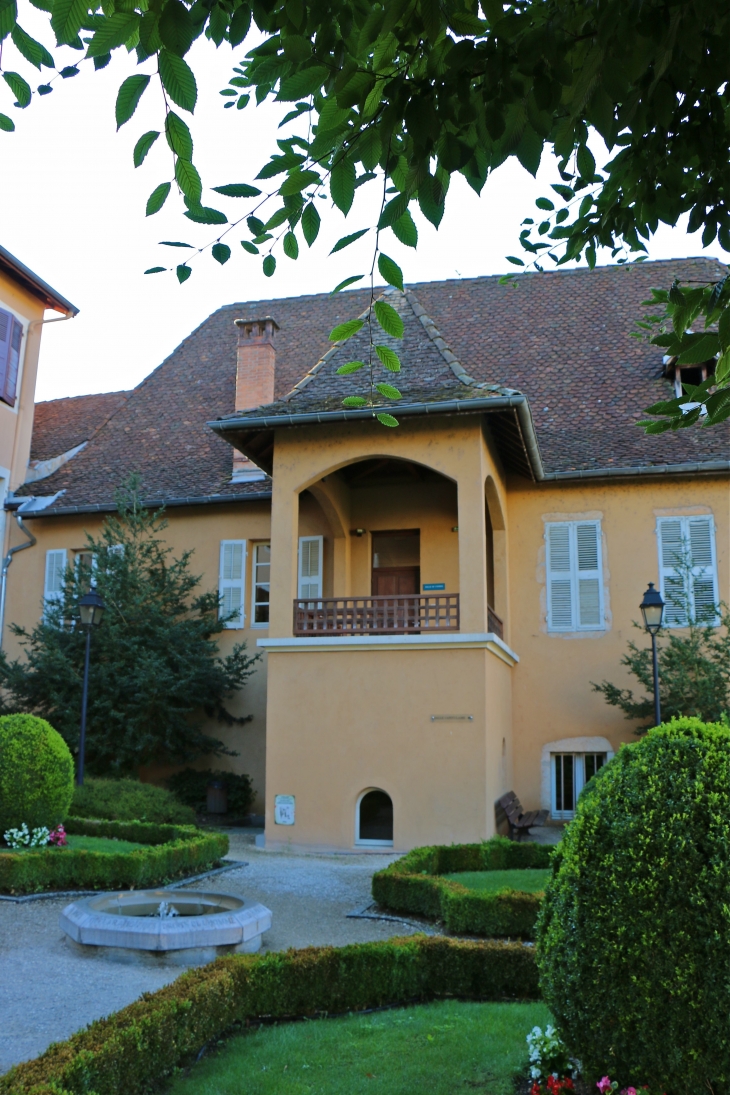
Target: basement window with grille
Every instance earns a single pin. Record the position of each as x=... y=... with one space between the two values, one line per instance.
x=574 y=576
x=688 y=570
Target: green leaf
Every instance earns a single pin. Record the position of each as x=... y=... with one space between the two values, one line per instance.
x=6 y=124
x=389 y=358
x=178 y=136
x=269 y=265
x=701 y=350
x=116 y=30
x=348 y=281
x=390 y=271
x=405 y=230
x=347 y=240
x=157 y=198
x=203 y=214
x=188 y=180
x=388 y=391
x=240 y=24
x=221 y=252
x=156 y=270
x=342 y=184
x=67 y=18
x=44 y=89
x=343 y=331
x=291 y=247
x=387 y=420
x=176 y=28
x=183 y=273
x=128 y=97
x=175 y=243
x=304 y=82
x=393 y=211
x=586 y=163
x=351 y=367
x=389 y=319
x=298 y=181
x=32 y=51
x=354 y=401
x=19 y=87
x=723 y=328
x=237 y=190
x=544 y=203
x=514 y=260
x=249 y=247
x=178 y=80
x=8 y=15
x=143 y=145
x=310 y=223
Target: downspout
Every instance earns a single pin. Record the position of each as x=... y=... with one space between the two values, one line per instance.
x=6 y=566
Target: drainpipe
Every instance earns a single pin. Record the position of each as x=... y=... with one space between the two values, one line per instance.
x=30 y=505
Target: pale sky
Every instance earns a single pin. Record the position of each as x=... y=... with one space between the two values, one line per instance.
x=73 y=211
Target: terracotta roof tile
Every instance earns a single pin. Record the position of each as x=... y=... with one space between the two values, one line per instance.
x=62 y=424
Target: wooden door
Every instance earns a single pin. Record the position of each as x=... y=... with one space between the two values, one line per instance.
x=396 y=581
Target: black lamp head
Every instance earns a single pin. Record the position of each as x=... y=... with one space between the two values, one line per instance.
x=91 y=609
x=652 y=609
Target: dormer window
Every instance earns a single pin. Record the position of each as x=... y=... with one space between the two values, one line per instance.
x=687 y=374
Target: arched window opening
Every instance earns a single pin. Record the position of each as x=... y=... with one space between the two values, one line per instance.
x=374 y=818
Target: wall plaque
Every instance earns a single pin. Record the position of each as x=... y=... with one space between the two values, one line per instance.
x=434 y=585
x=284 y=810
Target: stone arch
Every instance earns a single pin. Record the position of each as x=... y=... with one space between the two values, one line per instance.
x=374 y=817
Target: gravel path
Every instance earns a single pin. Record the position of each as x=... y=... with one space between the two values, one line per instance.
x=48 y=991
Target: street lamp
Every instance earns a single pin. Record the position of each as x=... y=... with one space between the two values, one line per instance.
x=652 y=609
x=91 y=610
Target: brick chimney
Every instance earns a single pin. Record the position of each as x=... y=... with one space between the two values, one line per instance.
x=255 y=374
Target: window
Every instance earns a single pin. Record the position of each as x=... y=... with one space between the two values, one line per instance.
x=85 y=567
x=571 y=772
x=261 y=584
x=687 y=569
x=574 y=576
x=231 y=581
x=310 y=567
x=55 y=573
x=11 y=337
x=374 y=822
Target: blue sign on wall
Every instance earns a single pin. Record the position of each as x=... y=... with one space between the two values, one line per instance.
x=434 y=585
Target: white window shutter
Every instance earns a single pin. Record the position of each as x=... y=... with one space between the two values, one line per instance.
x=589 y=575
x=231 y=581
x=310 y=567
x=55 y=571
x=13 y=362
x=560 y=586
x=687 y=569
x=6 y=333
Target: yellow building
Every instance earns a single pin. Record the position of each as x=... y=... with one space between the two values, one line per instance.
x=433 y=601
x=24 y=299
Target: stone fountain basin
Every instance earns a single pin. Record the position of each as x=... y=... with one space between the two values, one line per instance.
x=126 y=927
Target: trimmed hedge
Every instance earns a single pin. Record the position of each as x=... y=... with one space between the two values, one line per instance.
x=140 y=1045
x=174 y=850
x=412 y=885
x=36 y=773
x=129 y=800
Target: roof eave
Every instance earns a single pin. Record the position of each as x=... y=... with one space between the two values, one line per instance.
x=228 y=427
x=30 y=281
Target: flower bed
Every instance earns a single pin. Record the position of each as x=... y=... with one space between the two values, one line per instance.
x=170 y=851
x=413 y=885
x=137 y=1047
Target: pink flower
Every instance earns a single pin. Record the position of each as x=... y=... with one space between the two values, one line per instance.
x=604 y=1085
x=630 y=1091
x=57 y=836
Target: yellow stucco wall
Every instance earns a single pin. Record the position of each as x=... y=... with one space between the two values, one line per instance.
x=198 y=528
x=552 y=696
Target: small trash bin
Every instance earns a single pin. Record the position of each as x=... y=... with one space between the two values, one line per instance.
x=217 y=799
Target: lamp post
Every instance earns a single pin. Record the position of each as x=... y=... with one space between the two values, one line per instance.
x=652 y=609
x=91 y=610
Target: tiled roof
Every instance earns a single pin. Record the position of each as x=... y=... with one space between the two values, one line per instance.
x=62 y=424
x=562 y=338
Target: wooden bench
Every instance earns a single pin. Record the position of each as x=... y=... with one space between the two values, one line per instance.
x=508 y=809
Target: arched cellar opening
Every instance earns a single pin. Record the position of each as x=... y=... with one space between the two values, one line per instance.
x=374 y=818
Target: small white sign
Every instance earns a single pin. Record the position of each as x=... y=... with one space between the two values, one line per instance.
x=284 y=809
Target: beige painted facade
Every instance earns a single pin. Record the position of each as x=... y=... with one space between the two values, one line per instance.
x=442 y=722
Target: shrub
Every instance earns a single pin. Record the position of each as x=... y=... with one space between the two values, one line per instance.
x=139 y=1046
x=36 y=773
x=174 y=851
x=191 y=787
x=129 y=800
x=634 y=933
x=412 y=885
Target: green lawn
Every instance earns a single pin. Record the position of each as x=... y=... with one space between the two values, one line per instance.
x=532 y=880
x=88 y=844
x=439 y=1048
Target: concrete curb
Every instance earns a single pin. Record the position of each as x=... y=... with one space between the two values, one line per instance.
x=51 y=894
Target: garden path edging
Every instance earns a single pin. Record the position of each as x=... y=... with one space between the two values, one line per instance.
x=51 y=894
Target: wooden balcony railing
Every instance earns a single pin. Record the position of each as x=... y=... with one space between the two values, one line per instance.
x=494 y=623
x=397 y=615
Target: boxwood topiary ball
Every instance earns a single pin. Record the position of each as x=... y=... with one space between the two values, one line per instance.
x=634 y=933
x=36 y=773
